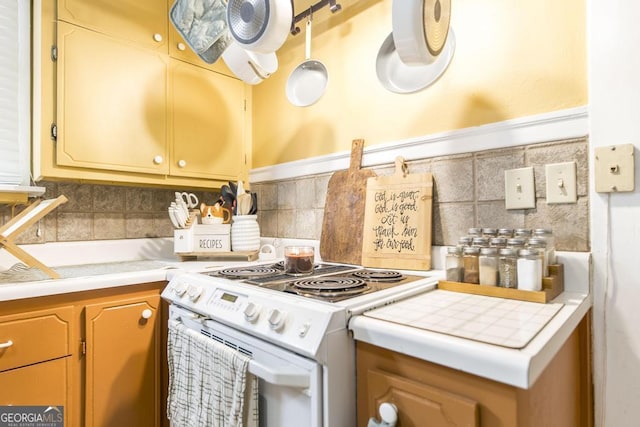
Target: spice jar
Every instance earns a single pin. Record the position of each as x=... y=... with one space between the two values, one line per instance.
x=516 y=243
x=453 y=264
x=470 y=264
x=541 y=245
x=465 y=241
x=474 y=232
x=529 y=270
x=508 y=268
x=489 y=232
x=498 y=242
x=523 y=233
x=547 y=234
x=488 y=266
x=505 y=232
x=480 y=242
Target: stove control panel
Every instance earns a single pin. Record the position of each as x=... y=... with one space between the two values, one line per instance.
x=297 y=323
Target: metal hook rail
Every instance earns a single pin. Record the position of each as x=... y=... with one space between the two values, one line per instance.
x=333 y=7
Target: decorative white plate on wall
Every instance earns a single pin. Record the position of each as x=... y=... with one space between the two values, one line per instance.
x=398 y=77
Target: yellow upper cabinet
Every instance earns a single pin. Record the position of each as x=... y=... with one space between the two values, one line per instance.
x=112 y=103
x=207 y=111
x=143 y=22
x=117 y=106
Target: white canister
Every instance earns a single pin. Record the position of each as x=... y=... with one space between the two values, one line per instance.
x=245 y=233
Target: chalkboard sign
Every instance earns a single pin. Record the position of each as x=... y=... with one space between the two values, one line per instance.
x=397 y=220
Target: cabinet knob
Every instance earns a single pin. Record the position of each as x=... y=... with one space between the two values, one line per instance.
x=146 y=313
x=388 y=414
x=182 y=163
x=6 y=344
x=157 y=37
x=158 y=159
x=181 y=46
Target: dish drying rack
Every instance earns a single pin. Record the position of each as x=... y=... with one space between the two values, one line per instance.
x=21 y=222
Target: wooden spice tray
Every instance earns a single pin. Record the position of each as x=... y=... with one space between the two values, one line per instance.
x=552 y=286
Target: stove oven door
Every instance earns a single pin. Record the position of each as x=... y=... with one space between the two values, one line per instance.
x=290 y=386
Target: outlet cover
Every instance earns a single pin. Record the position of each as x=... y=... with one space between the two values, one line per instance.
x=614 y=168
x=519 y=189
x=561 y=183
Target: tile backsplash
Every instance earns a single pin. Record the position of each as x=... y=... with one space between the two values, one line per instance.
x=98 y=212
x=468 y=192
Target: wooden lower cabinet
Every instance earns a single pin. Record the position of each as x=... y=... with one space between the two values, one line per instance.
x=122 y=376
x=430 y=395
x=100 y=354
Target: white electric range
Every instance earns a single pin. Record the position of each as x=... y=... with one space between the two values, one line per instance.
x=294 y=329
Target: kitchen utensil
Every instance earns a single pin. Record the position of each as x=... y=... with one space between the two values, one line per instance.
x=341 y=237
x=420 y=29
x=250 y=67
x=172 y=217
x=260 y=25
x=307 y=82
x=244 y=203
x=397 y=220
x=179 y=219
x=189 y=199
x=398 y=77
x=254 y=204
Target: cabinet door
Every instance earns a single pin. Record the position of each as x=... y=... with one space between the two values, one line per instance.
x=112 y=103
x=207 y=123
x=419 y=405
x=45 y=384
x=123 y=363
x=179 y=49
x=143 y=22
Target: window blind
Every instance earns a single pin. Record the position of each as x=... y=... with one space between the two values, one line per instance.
x=15 y=77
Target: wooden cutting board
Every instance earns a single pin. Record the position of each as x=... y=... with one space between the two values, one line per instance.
x=341 y=238
x=397 y=220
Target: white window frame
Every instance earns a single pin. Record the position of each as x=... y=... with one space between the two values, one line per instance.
x=15 y=93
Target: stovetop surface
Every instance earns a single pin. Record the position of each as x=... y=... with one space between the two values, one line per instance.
x=329 y=282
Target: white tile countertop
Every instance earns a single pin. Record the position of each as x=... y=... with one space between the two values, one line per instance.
x=516 y=355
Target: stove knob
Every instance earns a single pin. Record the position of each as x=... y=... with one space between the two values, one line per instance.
x=179 y=288
x=252 y=312
x=194 y=292
x=276 y=319
x=304 y=329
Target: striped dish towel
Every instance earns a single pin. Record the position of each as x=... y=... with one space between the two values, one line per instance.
x=209 y=383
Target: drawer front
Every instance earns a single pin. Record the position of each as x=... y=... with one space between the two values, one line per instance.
x=33 y=337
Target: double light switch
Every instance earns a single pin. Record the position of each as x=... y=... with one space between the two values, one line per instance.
x=520 y=191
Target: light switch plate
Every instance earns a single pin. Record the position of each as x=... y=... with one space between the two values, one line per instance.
x=614 y=168
x=519 y=189
x=561 y=183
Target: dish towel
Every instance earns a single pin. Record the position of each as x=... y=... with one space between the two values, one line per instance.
x=203 y=25
x=209 y=382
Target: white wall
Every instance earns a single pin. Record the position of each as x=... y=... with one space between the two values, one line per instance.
x=614 y=100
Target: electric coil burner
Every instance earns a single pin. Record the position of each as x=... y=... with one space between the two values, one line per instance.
x=379 y=275
x=249 y=272
x=330 y=288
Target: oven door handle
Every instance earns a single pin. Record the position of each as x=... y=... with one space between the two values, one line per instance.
x=285 y=376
